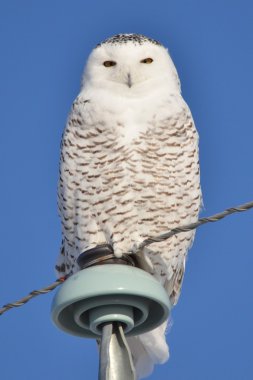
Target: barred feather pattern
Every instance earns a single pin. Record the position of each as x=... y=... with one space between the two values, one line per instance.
x=120 y=194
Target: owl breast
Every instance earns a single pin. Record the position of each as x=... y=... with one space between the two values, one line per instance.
x=128 y=171
x=136 y=172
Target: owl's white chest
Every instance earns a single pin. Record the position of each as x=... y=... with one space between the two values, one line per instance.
x=133 y=121
x=129 y=118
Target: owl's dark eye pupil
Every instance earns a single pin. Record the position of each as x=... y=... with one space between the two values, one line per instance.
x=147 y=60
x=109 y=63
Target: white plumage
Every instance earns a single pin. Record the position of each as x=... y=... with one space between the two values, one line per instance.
x=129 y=169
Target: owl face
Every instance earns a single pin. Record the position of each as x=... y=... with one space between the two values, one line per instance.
x=130 y=67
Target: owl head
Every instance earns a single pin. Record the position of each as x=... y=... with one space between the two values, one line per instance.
x=131 y=64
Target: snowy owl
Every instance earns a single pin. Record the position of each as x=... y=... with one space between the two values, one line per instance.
x=129 y=169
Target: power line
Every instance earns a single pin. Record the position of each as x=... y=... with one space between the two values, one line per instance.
x=145 y=243
x=193 y=226
x=31 y=295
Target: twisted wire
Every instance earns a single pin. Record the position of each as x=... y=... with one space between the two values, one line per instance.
x=32 y=294
x=192 y=226
x=145 y=243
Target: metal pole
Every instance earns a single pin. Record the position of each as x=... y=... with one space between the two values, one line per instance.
x=115 y=356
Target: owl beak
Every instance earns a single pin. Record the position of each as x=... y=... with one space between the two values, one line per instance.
x=129 y=80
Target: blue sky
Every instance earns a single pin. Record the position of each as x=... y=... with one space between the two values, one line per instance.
x=44 y=46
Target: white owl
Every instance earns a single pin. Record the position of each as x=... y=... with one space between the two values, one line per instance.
x=130 y=169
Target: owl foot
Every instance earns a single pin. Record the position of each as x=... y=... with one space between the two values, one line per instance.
x=102 y=254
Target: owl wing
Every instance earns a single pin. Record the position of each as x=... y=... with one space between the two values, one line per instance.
x=189 y=202
x=68 y=185
x=174 y=284
x=181 y=200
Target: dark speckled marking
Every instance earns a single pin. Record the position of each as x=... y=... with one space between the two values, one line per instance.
x=137 y=39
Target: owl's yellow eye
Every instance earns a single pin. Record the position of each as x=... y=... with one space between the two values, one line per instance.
x=147 y=60
x=109 y=63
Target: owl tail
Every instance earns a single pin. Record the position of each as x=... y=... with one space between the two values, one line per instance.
x=149 y=349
